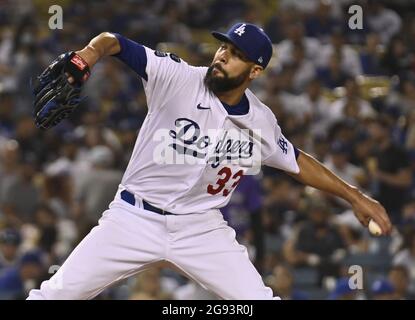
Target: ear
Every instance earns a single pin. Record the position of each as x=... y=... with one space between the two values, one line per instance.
x=256 y=71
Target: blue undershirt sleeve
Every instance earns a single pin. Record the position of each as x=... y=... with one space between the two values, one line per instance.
x=133 y=55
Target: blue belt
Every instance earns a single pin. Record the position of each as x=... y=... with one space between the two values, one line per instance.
x=129 y=198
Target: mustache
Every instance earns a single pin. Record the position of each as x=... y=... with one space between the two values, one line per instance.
x=218 y=66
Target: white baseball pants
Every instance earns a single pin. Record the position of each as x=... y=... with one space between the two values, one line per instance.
x=129 y=239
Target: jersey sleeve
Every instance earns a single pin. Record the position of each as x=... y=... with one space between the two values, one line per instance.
x=283 y=154
x=163 y=74
x=167 y=74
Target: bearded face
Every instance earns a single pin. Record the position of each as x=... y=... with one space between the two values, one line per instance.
x=218 y=81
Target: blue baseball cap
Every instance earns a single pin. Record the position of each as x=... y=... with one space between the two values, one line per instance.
x=342 y=288
x=251 y=40
x=382 y=287
x=10 y=236
x=32 y=257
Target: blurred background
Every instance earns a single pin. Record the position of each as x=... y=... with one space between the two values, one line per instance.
x=345 y=96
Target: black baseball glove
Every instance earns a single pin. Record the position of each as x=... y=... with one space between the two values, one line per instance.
x=54 y=96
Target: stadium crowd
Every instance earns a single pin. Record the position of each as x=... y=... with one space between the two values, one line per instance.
x=345 y=96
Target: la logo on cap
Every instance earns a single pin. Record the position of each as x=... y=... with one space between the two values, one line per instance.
x=240 y=30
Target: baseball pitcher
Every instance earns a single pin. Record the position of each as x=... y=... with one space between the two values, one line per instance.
x=204 y=131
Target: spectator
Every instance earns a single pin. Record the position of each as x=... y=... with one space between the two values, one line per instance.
x=371 y=55
x=400 y=280
x=382 y=20
x=30 y=143
x=46 y=221
x=351 y=105
x=22 y=187
x=7 y=122
x=173 y=28
x=57 y=189
x=383 y=290
x=408 y=213
x=333 y=75
x=410 y=134
x=274 y=28
x=279 y=216
x=282 y=283
x=317 y=244
x=397 y=59
x=148 y=286
x=304 y=70
x=305 y=8
x=10 y=241
x=16 y=281
x=243 y=213
x=293 y=106
x=343 y=291
x=348 y=56
x=406 y=102
x=390 y=168
x=247 y=201
x=295 y=35
x=316 y=107
x=340 y=165
x=406 y=256
x=321 y=23
x=98 y=186
x=362 y=148
x=352 y=232
x=9 y=162
x=321 y=146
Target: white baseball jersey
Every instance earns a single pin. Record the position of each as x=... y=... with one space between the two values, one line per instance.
x=181 y=107
x=189 y=156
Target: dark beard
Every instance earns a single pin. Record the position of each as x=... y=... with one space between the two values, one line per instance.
x=219 y=85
